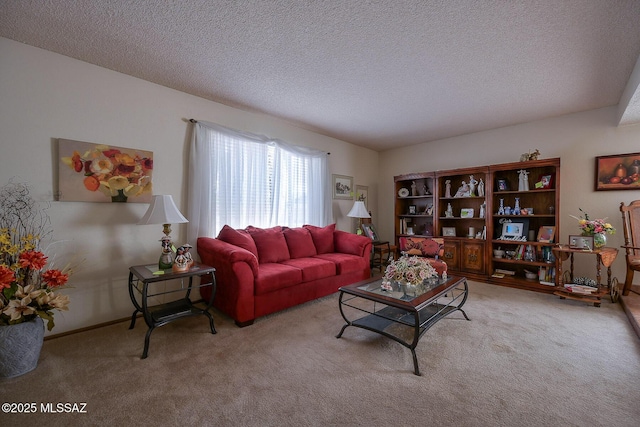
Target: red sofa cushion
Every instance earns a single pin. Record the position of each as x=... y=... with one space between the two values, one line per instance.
x=300 y=242
x=274 y=276
x=238 y=238
x=271 y=244
x=345 y=263
x=322 y=237
x=313 y=268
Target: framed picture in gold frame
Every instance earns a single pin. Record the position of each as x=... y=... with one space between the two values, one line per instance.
x=618 y=172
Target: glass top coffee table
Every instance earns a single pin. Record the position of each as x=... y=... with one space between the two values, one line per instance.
x=398 y=315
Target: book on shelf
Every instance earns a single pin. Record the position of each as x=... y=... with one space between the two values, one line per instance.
x=547 y=275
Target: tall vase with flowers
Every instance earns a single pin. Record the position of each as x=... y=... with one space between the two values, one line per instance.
x=598 y=228
x=29 y=284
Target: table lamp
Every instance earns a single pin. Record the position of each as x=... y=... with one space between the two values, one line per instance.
x=163 y=210
x=359 y=211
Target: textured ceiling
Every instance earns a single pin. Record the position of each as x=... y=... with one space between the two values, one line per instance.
x=380 y=74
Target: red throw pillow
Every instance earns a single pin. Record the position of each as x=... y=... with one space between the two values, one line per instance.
x=300 y=242
x=272 y=247
x=239 y=238
x=322 y=238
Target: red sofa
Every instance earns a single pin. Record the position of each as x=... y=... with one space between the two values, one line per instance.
x=261 y=271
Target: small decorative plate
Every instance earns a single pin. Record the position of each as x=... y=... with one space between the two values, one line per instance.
x=403 y=192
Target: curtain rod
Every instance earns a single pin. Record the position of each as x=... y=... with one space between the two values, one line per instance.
x=195 y=121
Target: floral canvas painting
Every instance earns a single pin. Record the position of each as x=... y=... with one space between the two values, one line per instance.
x=103 y=173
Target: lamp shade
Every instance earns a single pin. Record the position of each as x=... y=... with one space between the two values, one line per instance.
x=358 y=210
x=162 y=210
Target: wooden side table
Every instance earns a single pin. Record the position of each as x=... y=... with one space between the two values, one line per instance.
x=140 y=279
x=380 y=253
x=604 y=257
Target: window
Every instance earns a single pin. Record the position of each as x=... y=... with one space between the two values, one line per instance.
x=240 y=179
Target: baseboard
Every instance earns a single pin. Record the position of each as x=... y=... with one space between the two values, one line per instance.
x=99 y=325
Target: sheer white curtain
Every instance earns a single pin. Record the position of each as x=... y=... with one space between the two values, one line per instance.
x=238 y=178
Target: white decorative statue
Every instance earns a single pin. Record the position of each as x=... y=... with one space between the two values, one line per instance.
x=472 y=185
x=449 y=211
x=447 y=188
x=414 y=188
x=463 y=191
x=481 y=188
x=523 y=184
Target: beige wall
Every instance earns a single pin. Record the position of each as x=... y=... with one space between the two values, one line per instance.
x=46 y=96
x=577 y=139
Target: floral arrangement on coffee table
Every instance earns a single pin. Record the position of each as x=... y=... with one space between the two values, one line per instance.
x=410 y=270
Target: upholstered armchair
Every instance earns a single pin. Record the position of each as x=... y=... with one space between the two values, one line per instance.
x=431 y=248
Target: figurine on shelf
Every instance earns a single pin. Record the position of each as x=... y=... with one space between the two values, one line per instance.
x=463 y=191
x=447 y=188
x=472 y=185
x=482 y=210
x=425 y=190
x=449 y=212
x=523 y=184
x=516 y=208
x=481 y=188
x=501 y=208
x=414 y=188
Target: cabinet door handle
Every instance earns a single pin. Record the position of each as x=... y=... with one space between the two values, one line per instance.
x=448 y=255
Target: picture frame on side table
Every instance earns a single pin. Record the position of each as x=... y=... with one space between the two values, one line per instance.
x=370 y=231
x=618 y=172
x=449 y=231
x=577 y=241
x=342 y=187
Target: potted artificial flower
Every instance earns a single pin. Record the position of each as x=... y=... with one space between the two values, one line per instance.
x=29 y=287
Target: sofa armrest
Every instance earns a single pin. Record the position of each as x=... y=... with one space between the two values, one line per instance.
x=349 y=243
x=216 y=252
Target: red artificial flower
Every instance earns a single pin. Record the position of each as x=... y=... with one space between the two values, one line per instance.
x=77 y=161
x=147 y=164
x=32 y=259
x=111 y=153
x=54 y=278
x=6 y=277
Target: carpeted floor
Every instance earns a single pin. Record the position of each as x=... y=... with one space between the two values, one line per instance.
x=524 y=359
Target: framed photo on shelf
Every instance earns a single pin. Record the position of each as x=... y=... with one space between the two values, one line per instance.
x=618 y=172
x=370 y=231
x=342 y=187
x=466 y=213
x=503 y=185
x=512 y=230
x=546 y=234
x=413 y=209
x=544 y=181
x=449 y=231
x=580 y=242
